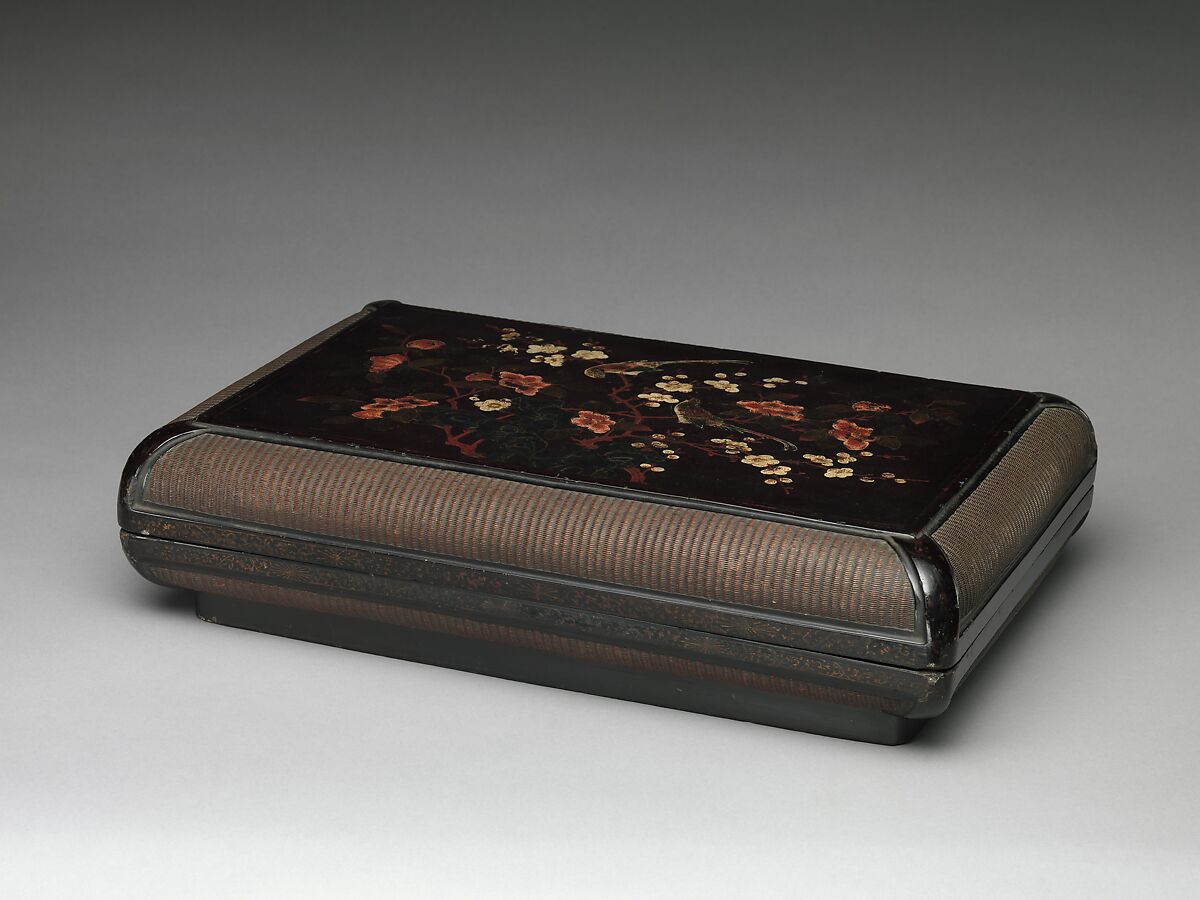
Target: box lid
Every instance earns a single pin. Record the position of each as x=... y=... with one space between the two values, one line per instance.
x=793 y=438
x=785 y=500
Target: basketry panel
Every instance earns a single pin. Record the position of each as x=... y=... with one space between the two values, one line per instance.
x=670 y=549
x=994 y=525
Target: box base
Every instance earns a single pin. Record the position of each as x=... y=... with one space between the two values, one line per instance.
x=520 y=664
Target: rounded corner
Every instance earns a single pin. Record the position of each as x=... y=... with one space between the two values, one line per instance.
x=376 y=305
x=138 y=465
x=1057 y=401
x=1048 y=400
x=937 y=600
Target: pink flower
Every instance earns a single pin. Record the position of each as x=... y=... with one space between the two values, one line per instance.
x=595 y=422
x=380 y=405
x=868 y=406
x=425 y=344
x=382 y=364
x=523 y=384
x=774 y=408
x=851 y=434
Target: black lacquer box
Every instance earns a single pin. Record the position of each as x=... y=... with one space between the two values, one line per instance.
x=787 y=542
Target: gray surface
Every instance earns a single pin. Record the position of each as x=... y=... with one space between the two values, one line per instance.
x=998 y=193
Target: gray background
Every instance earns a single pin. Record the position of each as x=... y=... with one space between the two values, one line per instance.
x=991 y=192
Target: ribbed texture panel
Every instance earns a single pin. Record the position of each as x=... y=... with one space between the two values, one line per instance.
x=277 y=363
x=558 y=645
x=993 y=527
x=675 y=550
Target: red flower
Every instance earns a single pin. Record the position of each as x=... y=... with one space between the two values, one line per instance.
x=774 y=408
x=868 y=406
x=380 y=405
x=594 y=421
x=381 y=364
x=851 y=434
x=425 y=344
x=523 y=384
x=479 y=376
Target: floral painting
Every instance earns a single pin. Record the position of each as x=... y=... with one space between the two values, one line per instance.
x=733 y=427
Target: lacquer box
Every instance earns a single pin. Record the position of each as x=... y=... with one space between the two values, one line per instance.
x=787 y=542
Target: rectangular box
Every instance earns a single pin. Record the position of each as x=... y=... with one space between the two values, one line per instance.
x=786 y=542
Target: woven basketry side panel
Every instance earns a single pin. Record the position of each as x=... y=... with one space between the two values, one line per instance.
x=675 y=550
x=993 y=527
x=558 y=645
x=277 y=363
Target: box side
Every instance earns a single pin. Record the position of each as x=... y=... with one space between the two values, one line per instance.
x=744 y=575
x=998 y=521
x=462 y=627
